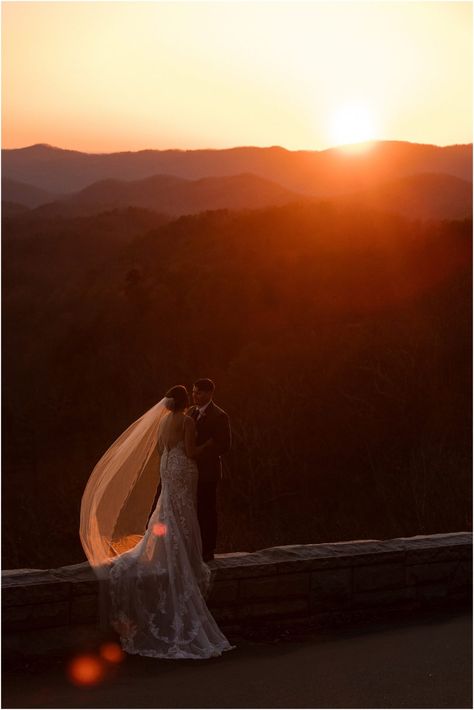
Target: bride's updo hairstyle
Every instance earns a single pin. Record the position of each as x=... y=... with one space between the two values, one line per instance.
x=177 y=398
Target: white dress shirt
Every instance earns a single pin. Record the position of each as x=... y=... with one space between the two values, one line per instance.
x=202 y=409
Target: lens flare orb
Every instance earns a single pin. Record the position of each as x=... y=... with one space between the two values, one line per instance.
x=112 y=652
x=86 y=670
x=159 y=529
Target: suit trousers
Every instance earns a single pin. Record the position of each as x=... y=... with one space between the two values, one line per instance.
x=207 y=514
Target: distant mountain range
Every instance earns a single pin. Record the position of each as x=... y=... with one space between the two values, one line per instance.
x=171 y=195
x=425 y=196
x=316 y=173
x=21 y=193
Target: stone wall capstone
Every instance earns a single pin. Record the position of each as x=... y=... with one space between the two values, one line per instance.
x=330 y=582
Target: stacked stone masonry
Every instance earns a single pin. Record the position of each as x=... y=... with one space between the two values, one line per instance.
x=329 y=582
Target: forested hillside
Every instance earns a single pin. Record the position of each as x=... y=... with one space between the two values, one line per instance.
x=339 y=339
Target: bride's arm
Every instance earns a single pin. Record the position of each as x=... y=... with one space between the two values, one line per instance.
x=192 y=450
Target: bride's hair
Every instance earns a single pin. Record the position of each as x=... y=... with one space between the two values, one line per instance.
x=178 y=398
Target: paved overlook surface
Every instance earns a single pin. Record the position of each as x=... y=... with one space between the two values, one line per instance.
x=422 y=662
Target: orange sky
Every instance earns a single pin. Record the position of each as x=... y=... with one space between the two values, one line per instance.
x=110 y=76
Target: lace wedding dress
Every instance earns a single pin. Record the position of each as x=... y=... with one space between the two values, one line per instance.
x=157 y=588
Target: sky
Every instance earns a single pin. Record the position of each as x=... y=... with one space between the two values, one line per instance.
x=115 y=76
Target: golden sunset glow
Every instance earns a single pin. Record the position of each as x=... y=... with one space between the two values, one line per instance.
x=353 y=123
x=101 y=77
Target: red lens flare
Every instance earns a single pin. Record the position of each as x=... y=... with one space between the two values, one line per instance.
x=112 y=652
x=86 y=670
x=159 y=529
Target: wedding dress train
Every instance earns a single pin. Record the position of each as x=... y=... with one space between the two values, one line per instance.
x=157 y=588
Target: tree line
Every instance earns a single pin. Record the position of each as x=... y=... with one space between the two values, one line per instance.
x=339 y=339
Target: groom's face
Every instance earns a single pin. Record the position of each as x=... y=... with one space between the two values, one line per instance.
x=201 y=397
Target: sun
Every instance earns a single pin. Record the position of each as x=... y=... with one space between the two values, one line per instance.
x=353 y=124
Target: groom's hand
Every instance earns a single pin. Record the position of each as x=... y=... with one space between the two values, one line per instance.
x=206 y=446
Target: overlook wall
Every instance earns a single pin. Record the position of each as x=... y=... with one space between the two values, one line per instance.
x=328 y=583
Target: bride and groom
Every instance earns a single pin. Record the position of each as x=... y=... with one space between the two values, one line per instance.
x=157 y=582
x=214 y=436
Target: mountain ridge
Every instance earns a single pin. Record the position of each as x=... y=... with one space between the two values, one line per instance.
x=172 y=195
x=25 y=194
x=253 y=147
x=421 y=196
x=315 y=173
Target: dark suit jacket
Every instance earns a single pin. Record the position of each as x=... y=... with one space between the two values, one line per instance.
x=214 y=424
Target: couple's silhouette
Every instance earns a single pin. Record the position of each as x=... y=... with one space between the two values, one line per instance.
x=157 y=584
x=214 y=435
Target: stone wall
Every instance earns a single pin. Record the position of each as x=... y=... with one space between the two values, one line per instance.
x=328 y=583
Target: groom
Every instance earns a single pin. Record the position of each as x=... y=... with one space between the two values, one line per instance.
x=211 y=423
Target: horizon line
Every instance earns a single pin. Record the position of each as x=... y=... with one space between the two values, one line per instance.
x=237 y=147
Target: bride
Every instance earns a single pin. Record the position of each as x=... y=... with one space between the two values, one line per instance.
x=157 y=581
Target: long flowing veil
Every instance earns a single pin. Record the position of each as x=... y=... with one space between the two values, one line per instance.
x=119 y=493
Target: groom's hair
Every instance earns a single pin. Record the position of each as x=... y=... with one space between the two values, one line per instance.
x=205 y=385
